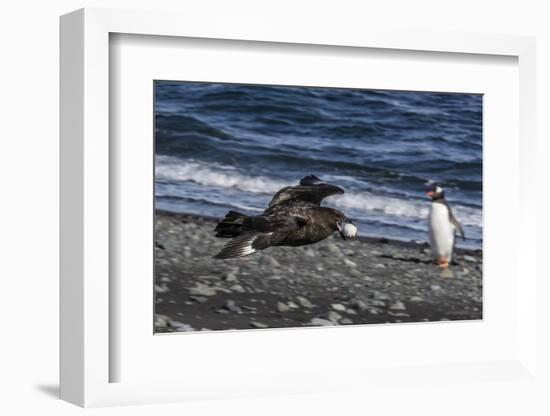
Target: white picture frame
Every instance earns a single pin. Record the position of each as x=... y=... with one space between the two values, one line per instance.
x=86 y=356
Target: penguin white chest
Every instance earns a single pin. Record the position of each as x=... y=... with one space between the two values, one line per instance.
x=441 y=232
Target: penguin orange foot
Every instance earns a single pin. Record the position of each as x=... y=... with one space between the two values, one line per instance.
x=442 y=262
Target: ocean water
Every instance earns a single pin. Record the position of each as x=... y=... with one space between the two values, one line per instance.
x=231 y=146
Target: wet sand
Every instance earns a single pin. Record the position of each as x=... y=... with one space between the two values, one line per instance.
x=333 y=282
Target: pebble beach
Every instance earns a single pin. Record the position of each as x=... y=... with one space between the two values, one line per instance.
x=333 y=282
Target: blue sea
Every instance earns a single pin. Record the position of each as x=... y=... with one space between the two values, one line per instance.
x=232 y=146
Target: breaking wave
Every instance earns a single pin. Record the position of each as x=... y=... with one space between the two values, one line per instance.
x=396 y=207
x=224 y=177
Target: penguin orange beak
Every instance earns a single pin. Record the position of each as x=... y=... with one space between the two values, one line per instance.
x=430 y=193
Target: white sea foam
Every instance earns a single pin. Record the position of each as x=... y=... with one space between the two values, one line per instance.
x=365 y=201
x=223 y=176
x=417 y=109
x=396 y=207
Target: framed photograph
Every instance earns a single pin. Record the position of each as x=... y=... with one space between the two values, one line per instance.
x=309 y=204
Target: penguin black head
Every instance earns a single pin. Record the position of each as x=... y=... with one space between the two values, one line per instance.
x=434 y=191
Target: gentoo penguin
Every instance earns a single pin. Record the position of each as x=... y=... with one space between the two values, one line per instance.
x=294 y=217
x=442 y=226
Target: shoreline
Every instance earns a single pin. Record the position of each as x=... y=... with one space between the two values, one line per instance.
x=186 y=217
x=332 y=282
